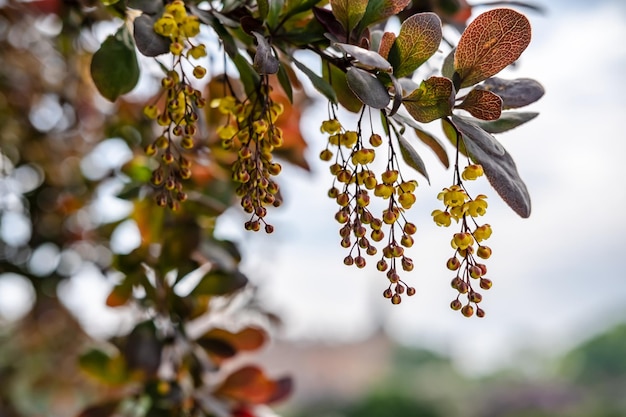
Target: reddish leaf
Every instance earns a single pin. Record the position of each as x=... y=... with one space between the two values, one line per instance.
x=432 y=100
x=482 y=104
x=489 y=44
x=249 y=385
x=418 y=40
x=101 y=410
x=120 y=294
x=250 y=338
x=434 y=144
x=386 y=42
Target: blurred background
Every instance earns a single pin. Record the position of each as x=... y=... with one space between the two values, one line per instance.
x=553 y=340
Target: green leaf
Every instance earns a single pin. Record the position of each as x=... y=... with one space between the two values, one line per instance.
x=397 y=95
x=493 y=41
x=367 y=88
x=114 y=66
x=264 y=8
x=419 y=38
x=220 y=282
x=109 y=2
x=337 y=79
x=434 y=144
x=482 y=104
x=249 y=77
x=447 y=68
x=498 y=165
x=264 y=60
x=366 y=58
x=433 y=99
x=285 y=83
x=273 y=16
x=379 y=10
x=507 y=121
x=106 y=368
x=514 y=93
x=148 y=42
x=142 y=349
x=319 y=83
x=348 y=12
x=298 y=6
x=411 y=157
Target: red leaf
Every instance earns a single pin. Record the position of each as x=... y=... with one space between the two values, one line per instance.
x=489 y=44
x=482 y=104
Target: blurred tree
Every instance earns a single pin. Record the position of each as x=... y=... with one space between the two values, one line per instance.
x=82 y=161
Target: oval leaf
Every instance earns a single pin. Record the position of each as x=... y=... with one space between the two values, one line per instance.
x=264 y=60
x=368 y=59
x=493 y=41
x=482 y=104
x=319 y=83
x=148 y=42
x=487 y=142
x=418 y=40
x=249 y=385
x=220 y=282
x=514 y=93
x=379 y=10
x=434 y=144
x=386 y=42
x=337 y=78
x=367 y=88
x=114 y=66
x=412 y=158
x=348 y=12
x=498 y=165
x=507 y=121
x=432 y=100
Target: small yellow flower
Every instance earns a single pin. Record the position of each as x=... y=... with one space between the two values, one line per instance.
x=199 y=71
x=197 y=52
x=177 y=10
x=476 y=207
x=190 y=26
x=166 y=26
x=226 y=132
x=471 y=172
x=151 y=111
x=462 y=241
x=453 y=196
x=330 y=126
x=363 y=156
x=482 y=233
x=441 y=218
x=348 y=139
x=176 y=48
x=383 y=190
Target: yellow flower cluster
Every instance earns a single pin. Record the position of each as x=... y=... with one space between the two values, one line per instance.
x=361 y=229
x=178 y=118
x=252 y=133
x=180 y=27
x=466 y=243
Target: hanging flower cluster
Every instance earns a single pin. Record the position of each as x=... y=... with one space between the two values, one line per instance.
x=467 y=242
x=250 y=131
x=179 y=113
x=354 y=183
